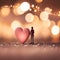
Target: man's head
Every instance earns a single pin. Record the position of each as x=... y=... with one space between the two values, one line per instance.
x=32 y=27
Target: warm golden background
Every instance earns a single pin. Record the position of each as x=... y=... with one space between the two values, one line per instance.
x=43 y=17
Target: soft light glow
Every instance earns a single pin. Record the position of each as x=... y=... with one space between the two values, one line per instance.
x=39 y=1
x=55 y=30
x=36 y=6
x=44 y=15
x=15 y=24
x=35 y=10
x=25 y=6
x=52 y=23
x=5 y=31
x=59 y=23
x=59 y=13
x=11 y=5
x=46 y=23
x=30 y=9
x=45 y=32
x=32 y=6
x=5 y=10
x=17 y=10
x=29 y=17
x=47 y=9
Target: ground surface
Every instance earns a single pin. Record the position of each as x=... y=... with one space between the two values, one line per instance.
x=29 y=52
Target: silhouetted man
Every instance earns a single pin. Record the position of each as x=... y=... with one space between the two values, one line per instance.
x=32 y=35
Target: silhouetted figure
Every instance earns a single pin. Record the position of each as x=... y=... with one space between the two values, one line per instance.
x=32 y=35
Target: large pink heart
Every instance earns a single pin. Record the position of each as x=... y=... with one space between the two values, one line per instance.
x=22 y=34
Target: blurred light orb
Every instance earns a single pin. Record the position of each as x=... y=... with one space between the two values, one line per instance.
x=25 y=6
x=46 y=23
x=39 y=1
x=44 y=16
x=47 y=9
x=30 y=9
x=5 y=10
x=59 y=23
x=35 y=10
x=15 y=24
x=29 y=17
x=32 y=6
x=55 y=30
x=36 y=6
x=19 y=11
x=15 y=11
x=11 y=5
x=59 y=13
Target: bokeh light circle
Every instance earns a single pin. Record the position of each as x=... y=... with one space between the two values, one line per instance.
x=32 y=6
x=15 y=8
x=55 y=30
x=19 y=11
x=25 y=6
x=5 y=10
x=39 y=1
x=29 y=17
x=59 y=13
x=49 y=10
x=44 y=15
x=15 y=24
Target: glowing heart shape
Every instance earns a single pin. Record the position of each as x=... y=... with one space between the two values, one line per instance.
x=22 y=34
